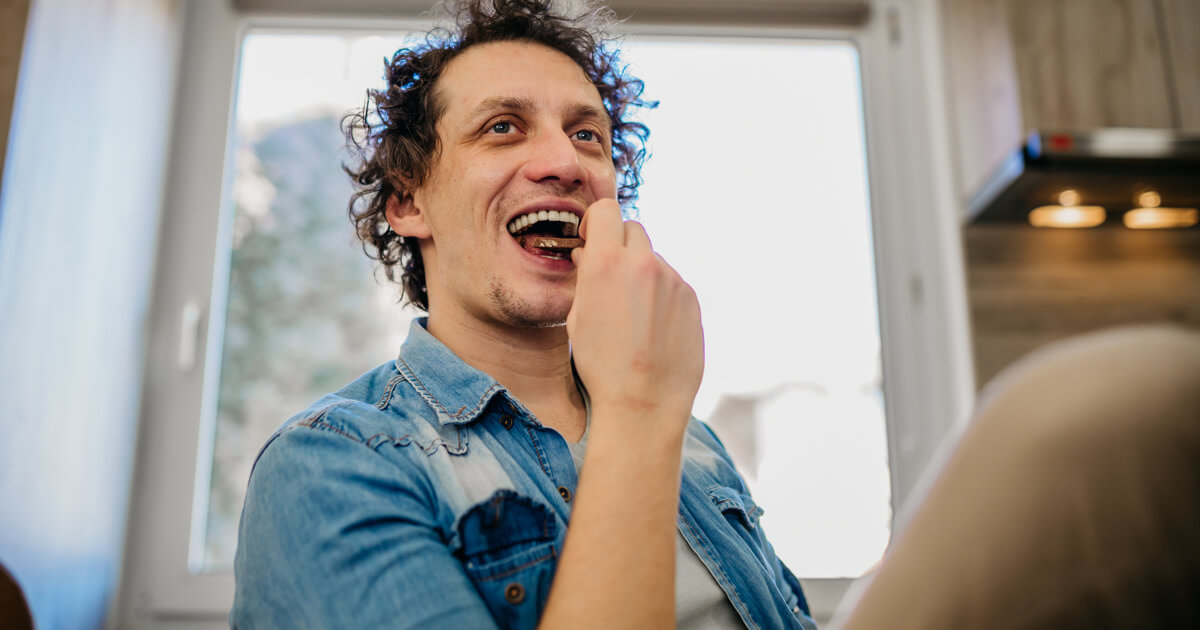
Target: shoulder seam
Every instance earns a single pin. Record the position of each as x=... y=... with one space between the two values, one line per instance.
x=317 y=421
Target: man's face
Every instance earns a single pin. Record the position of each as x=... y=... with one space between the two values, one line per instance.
x=522 y=130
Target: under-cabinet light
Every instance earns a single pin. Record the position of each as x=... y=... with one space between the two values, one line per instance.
x=1153 y=218
x=1068 y=214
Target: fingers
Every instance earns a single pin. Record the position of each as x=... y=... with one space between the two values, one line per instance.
x=636 y=237
x=602 y=225
x=634 y=324
x=603 y=228
x=671 y=271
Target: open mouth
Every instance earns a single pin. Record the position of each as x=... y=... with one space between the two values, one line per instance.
x=547 y=233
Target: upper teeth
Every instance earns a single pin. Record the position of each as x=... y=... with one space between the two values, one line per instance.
x=528 y=219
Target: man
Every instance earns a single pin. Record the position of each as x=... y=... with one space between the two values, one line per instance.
x=446 y=488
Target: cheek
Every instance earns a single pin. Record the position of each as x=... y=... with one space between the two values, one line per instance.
x=488 y=174
x=485 y=181
x=604 y=182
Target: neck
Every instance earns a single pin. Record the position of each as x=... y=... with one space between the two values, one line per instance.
x=534 y=364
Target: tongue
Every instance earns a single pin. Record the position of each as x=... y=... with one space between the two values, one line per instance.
x=554 y=244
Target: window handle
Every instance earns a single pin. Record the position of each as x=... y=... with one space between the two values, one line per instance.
x=189 y=335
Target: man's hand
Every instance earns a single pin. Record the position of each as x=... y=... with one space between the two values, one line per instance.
x=636 y=339
x=635 y=324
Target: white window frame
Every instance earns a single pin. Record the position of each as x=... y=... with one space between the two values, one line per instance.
x=928 y=378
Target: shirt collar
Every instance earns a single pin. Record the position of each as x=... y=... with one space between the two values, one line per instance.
x=457 y=391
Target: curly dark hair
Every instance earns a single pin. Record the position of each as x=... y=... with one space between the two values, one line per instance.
x=394 y=135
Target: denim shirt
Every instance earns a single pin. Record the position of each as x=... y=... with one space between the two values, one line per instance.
x=423 y=495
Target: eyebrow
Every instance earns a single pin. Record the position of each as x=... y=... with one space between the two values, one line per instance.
x=512 y=103
x=522 y=104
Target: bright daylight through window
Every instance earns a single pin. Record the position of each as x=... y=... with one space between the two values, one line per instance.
x=756 y=192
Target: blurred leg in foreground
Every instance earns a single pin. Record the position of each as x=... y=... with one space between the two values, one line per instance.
x=1071 y=501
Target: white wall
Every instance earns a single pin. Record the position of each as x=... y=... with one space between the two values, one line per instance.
x=79 y=215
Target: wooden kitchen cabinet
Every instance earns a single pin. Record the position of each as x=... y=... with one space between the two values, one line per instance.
x=1018 y=65
x=1182 y=25
x=1084 y=64
x=985 y=97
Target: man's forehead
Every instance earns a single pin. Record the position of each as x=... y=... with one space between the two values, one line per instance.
x=516 y=76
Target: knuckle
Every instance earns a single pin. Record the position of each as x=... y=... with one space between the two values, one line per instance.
x=642 y=362
x=647 y=264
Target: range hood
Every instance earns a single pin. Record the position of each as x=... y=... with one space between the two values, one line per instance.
x=1109 y=172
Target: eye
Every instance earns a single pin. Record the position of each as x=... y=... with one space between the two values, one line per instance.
x=586 y=135
x=502 y=126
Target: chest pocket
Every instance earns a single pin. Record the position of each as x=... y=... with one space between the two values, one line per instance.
x=510 y=550
x=742 y=514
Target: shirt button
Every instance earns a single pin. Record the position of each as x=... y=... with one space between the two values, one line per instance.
x=566 y=494
x=506 y=421
x=514 y=593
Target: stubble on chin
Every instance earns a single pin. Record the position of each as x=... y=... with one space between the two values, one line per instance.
x=520 y=312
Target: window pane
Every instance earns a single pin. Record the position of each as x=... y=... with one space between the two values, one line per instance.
x=756 y=192
x=305 y=315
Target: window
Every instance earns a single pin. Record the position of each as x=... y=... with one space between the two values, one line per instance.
x=758 y=191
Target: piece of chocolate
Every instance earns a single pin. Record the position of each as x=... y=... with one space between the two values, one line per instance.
x=551 y=243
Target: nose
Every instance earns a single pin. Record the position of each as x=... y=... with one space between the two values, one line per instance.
x=555 y=158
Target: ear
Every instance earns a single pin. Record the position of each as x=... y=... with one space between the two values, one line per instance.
x=405 y=217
